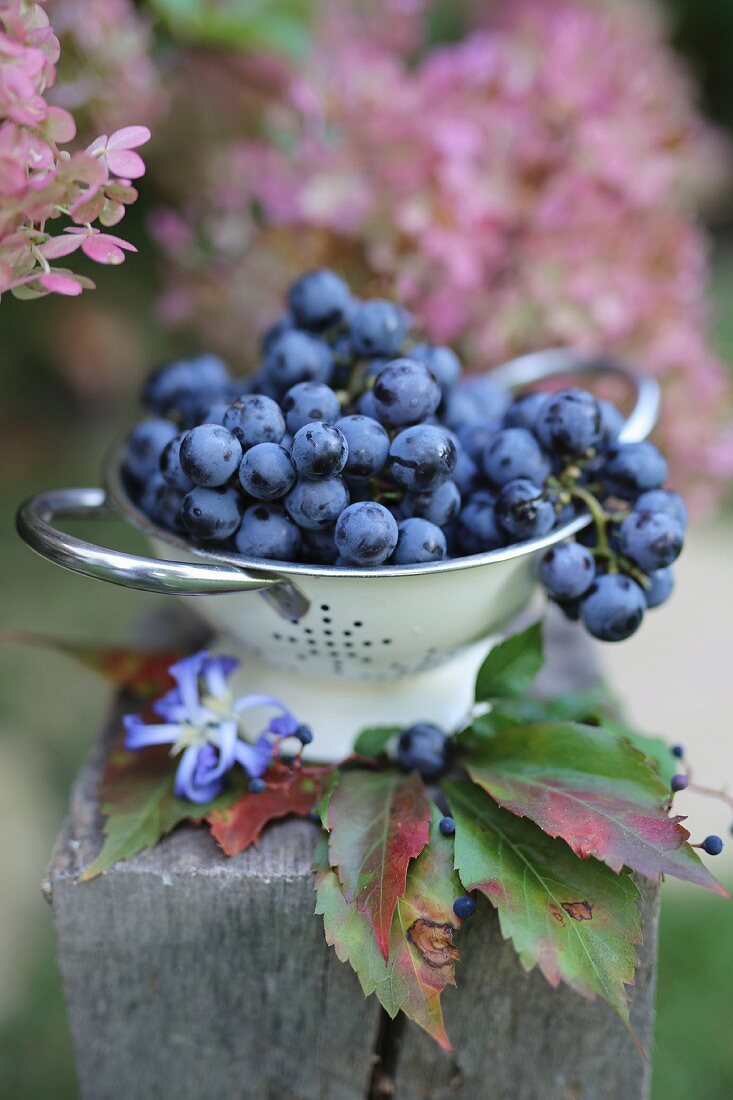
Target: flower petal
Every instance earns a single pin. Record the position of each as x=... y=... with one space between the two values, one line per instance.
x=124 y=162
x=61 y=284
x=129 y=137
x=255 y=759
x=186 y=673
x=138 y=734
x=102 y=251
x=56 y=247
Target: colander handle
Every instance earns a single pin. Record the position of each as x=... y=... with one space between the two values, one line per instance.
x=35 y=525
x=541 y=365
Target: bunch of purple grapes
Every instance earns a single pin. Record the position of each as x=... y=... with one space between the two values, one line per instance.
x=356 y=445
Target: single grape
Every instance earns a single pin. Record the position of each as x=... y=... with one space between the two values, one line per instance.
x=422 y=457
x=210 y=455
x=267 y=471
x=522 y=413
x=173 y=387
x=425 y=749
x=319 y=299
x=447 y=826
x=611 y=424
x=478 y=529
x=309 y=401
x=267 y=532
x=319 y=451
x=366 y=405
x=368 y=445
x=634 y=468
x=491 y=400
x=663 y=500
x=567 y=571
x=662 y=584
x=366 y=533
x=419 y=541
x=212 y=513
x=278 y=328
x=569 y=422
x=442 y=362
x=316 y=504
x=514 y=453
x=255 y=418
x=170 y=465
x=318 y=547
x=162 y=503
x=613 y=608
x=466 y=473
x=441 y=506
x=144 y=446
x=476 y=437
x=522 y=511
x=297 y=357
x=405 y=392
x=378 y=327
x=652 y=539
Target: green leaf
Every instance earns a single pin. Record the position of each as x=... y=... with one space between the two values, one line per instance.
x=378 y=821
x=656 y=750
x=511 y=666
x=590 y=788
x=374 y=740
x=574 y=919
x=139 y=806
x=422 y=957
x=278 y=25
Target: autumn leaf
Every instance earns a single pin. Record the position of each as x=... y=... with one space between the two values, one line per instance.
x=137 y=800
x=511 y=666
x=422 y=957
x=288 y=791
x=378 y=821
x=592 y=789
x=575 y=919
x=142 y=672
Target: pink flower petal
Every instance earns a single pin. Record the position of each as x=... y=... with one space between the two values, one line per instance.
x=129 y=137
x=60 y=284
x=60 y=125
x=57 y=247
x=124 y=162
x=102 y=250
x=98 y=145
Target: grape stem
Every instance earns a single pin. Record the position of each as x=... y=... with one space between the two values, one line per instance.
x=599 y=519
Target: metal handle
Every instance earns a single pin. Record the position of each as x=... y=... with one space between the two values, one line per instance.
x=540 y=365
x=35 y=526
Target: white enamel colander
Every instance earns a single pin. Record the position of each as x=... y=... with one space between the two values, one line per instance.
x=343 y=648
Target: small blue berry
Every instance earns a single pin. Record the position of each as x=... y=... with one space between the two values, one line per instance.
x=678 y=751
x=464 y=906
x=713 y=845
x=256 y=786
x=304 y=734
x=679 y=782
x=447 y=826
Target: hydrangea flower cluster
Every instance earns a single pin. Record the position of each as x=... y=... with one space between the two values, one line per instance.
x=40 y=181
x=201 y=721
x=530 y=185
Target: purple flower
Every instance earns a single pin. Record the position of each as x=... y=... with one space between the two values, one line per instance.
x=202 y=723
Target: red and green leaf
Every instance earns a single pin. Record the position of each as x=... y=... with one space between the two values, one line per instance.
x=593 y=790
x=421 y=958
x=378 y=822
x=575 y=919
x=288 y=791
x=142 y=672
x=137 y=800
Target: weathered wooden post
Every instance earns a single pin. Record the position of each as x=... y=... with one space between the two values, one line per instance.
x=190 y=975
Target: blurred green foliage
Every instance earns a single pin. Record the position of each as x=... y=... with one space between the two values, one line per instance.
x=278 y=25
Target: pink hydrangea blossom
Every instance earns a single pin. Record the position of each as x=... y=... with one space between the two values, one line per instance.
x=41 y=182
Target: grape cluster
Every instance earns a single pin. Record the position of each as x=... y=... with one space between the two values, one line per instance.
x=356 y=445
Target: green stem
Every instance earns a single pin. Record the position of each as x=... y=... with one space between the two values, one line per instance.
x=598 y=515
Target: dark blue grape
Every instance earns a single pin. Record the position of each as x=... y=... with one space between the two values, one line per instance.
x=442 y=362
x=491 y=400
x=277 y=329
x=254 y=419
x=144 y=446
x=475 y=438
x=368 y=445
x=634 y=468
x=319 y=451
x=366 y=533
x=567 y=571
x=162 y=503
x=318 y=547
x=514 y=453
x=522 y=511
x=464 y=907
x=419 y=541
x=652 y=539
x=297 y=357
x=176 y=386
x=267 y=532
x=422 y=457
x=660 y=589
x=569 y=422
x=210 y=455
x=441 y=506
x=319 y=299
x=613 y=608
x=663 y=500
x=170 y=465
x=378 y=328
x=611 y=424
x=712 y=845
x=316 y=504
x=212 y=513
x=425 y=749
x=478 y=529
x=366 y=405
x=522 y=413
x=405 y=392
x=267 y=471
x=309 y=401
x=466 y=473
x=447 y=826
